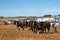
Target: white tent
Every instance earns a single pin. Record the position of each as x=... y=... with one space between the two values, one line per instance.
x=52 y=19
x=43 y=19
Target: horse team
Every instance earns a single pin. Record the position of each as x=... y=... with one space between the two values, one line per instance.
x=35 y=27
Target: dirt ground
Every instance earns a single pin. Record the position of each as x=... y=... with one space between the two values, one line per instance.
x=10 y=32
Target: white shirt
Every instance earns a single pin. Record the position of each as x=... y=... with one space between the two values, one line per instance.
x=56 y=24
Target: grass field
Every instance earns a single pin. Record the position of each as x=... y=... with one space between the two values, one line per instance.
x=10 y=32
x=12 y=18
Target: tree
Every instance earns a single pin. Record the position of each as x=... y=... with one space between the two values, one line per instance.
x=1 y=17
x=47 y=15
x=58 y=15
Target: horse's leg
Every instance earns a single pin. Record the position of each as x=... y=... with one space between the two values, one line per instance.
x=18 y=27
x=48 y=29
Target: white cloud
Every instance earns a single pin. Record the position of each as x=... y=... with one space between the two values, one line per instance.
x=53 y=11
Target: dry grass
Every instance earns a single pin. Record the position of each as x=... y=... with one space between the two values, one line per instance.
x=11 y=18
x=10 y=32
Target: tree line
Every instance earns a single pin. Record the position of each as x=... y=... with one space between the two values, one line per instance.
x=28 y=16
x=1 y=17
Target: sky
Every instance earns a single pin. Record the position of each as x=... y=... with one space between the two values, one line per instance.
x=29 y=7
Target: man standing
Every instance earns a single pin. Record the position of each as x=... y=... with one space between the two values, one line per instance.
x=55 y=25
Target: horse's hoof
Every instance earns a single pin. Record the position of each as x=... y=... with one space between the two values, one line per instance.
x=37 y=32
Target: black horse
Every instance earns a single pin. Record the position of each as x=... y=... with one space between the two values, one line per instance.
x=36 y=26
x=21 y=24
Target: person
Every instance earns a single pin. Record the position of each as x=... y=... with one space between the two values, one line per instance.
x=55 y=25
